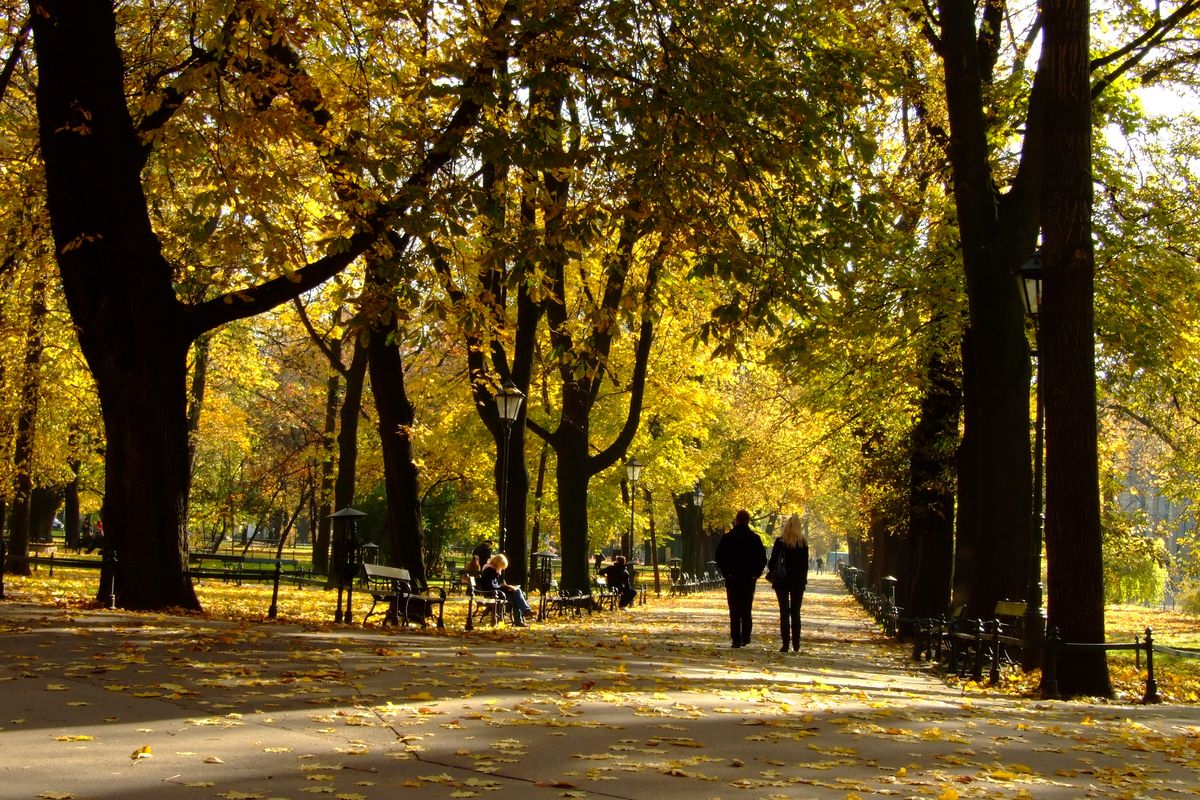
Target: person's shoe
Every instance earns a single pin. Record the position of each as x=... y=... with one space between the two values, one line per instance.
x=784 y=648
x=736 y=645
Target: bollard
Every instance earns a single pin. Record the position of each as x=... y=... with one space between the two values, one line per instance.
x=1151 y=695
x=110 y=555
x=1050 y=665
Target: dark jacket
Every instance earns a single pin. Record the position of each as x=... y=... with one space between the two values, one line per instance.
x=795 y=564
x=740 y=553
x=617 y=576
x=489 y=580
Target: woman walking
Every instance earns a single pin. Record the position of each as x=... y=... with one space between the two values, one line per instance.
x=788 y=572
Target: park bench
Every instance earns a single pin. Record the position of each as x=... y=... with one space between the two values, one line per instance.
x=394 y=587
x=605 y=595
x=486 y=604
x=969 y=643
x=239 y=567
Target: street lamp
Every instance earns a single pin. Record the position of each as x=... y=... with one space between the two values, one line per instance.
x=1029 y=283
x=508 y=403
x=633 y=471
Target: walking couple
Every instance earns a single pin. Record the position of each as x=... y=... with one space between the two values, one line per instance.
x=741 y=557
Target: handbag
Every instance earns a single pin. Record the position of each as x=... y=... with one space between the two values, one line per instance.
x=777 y=570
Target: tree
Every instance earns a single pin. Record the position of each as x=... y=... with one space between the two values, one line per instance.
x=133 y=330
x=1074 y=551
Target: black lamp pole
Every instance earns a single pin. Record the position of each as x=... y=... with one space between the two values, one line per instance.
x=698 y=501
x=508 y=403
x=633 y=471
x=1029 y=281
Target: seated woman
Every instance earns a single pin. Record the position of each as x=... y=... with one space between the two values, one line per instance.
x=491 y=578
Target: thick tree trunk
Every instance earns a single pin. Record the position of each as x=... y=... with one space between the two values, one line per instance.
x=399 y=470
x=994 y=463
x=573 y=478
x=1073 y=538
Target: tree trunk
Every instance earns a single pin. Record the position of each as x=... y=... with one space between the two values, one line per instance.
x=535 y=529
x=994 y=461
x=931 y=492
x=400 y=471
x=347 y=462
x=573 y=478
x=324 y=500
x=26 y=431
x=1067 y=336
x=71 y=519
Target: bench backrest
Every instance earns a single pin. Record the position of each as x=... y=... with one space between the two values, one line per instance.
x=384 y=572
x=1010 y=608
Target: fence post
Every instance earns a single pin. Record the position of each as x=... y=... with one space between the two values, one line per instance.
x=1151 y=695
x=1050 y=665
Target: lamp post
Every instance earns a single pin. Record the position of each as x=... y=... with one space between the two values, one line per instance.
x=345 y=560
x=508 y=403
x=633 y=472
x=698 y=504
x=1029 y=282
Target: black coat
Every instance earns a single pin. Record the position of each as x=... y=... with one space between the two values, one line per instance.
x=795 y=564
x=740 y=553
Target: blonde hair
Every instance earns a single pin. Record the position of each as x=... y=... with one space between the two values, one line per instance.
x=793 y=532
x=498 y=562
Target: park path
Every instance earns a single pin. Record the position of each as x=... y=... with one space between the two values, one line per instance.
x=647 y=705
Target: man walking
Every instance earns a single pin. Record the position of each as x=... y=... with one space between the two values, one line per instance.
x=741 y=557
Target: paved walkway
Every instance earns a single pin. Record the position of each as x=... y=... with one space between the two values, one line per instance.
x=648 y=705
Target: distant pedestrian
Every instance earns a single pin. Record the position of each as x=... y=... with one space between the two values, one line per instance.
x=787 y=570
x=483 y=551
x=741 y=558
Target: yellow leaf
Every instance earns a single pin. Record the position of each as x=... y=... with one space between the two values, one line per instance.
x=949 y=794
x=79 y=737
x=141 y=752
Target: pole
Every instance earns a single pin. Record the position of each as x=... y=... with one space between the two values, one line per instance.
x=632 y=501
x=654 y=558
x=351 y=563
x=3 y=562
x=504 y=486
x=1034 y=623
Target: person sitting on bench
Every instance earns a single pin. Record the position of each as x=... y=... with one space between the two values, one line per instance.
x=617 y=576
x=491 y=578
